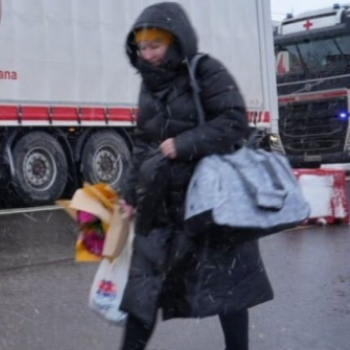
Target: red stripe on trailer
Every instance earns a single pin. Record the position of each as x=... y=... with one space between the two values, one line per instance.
x=120 y=114
x=250 y=116
x=8 y=113
x=266 y=117
x=253 y=117
x=48 y=113
x=34 y=113
x=92 y=114
x=312 y=96
x=259 y=117
x=64 y=114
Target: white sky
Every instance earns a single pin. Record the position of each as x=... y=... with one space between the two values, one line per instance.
x=281 y=7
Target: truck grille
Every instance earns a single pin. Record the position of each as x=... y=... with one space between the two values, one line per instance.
x=313 y=127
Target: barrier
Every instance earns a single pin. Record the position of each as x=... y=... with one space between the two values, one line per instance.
x=325 y=190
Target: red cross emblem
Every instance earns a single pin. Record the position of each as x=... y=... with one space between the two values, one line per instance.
x=308 y=25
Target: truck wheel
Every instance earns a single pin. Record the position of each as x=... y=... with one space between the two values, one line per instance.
x=41 y=169
x=105 y=158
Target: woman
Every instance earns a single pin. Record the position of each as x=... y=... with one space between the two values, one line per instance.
x=184 y=275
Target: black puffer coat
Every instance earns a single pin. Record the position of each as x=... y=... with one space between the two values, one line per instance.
x=185 y=276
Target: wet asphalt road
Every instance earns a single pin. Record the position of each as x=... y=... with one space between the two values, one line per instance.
x=43 y=293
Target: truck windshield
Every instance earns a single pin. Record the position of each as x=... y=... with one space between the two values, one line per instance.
x=324 y=54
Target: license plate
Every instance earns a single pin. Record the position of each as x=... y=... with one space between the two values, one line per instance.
x=316 y=158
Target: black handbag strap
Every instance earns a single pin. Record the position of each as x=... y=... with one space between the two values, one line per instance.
x=192 y=68
x=196 y=90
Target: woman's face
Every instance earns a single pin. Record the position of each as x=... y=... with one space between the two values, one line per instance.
x=153 y=52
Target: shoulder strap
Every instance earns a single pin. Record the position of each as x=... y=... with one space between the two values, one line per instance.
x=192 y=68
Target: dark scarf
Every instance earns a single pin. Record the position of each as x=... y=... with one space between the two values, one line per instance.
x=158 y=78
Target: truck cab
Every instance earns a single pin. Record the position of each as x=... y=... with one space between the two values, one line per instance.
x=312 y=52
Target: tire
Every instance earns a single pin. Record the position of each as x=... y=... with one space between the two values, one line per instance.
x=105 y=159
x=41 y=169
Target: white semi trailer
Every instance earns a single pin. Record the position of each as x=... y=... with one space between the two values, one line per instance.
x=68 y=96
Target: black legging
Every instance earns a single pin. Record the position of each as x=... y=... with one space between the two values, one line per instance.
x=234 y=326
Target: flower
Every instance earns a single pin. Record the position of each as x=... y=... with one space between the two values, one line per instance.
x=93 y=242
x=84 y=217
x=91 y=207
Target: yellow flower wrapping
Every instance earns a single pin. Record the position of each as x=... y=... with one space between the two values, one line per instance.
x=105 y=195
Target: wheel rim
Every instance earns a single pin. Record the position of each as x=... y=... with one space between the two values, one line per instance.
x=108 y=165
x=39 y=168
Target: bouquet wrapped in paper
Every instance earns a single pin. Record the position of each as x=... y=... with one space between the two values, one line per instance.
x=103 y=228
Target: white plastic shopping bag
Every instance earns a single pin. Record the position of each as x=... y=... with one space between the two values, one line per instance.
x=109 y=284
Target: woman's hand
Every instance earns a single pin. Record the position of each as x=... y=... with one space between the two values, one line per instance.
x=127 y=209
x=168 y=149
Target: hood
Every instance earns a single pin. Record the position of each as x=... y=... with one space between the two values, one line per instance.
x=169 y=16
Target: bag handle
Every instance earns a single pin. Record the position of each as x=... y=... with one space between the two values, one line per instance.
x=284 y=166
x=273 y=199
x=276 y=182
